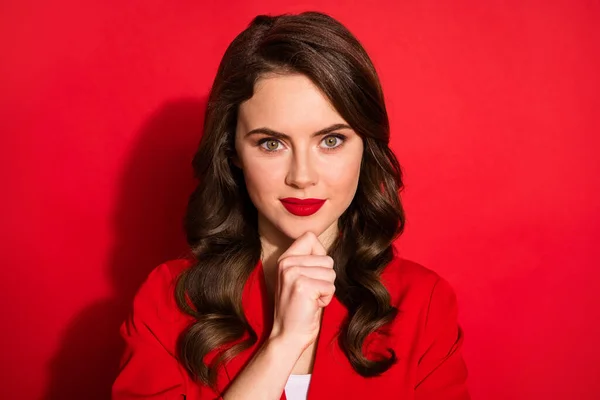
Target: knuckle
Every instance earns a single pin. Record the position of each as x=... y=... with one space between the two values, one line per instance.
x=281 y=264
x=289 y=271
x=285 y=263
x=299 y=284
x=312 y=236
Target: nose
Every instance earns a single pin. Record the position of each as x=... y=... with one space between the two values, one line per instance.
x=301 y=172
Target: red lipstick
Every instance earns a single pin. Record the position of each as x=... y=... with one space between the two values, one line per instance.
x=302 y=207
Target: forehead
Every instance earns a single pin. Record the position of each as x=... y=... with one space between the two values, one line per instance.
x=288 y=103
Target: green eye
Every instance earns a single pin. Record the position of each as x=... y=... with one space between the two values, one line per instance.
x=331 y=141
x=272 y=144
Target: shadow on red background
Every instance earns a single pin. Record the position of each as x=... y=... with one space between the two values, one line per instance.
x=156 y=182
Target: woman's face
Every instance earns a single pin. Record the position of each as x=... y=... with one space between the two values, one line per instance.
x=297 y=163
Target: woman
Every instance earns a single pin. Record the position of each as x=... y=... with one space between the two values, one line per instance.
x=294 y=287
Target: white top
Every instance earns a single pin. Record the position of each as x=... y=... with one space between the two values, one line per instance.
x=296 y=387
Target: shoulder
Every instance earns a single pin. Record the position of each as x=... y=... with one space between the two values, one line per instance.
x=155 y=298
x=413 y=285
x=163 y=276
x=426 y=306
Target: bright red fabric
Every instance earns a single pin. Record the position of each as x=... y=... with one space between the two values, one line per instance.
x=426 y=337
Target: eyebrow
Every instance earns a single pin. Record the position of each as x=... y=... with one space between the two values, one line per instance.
x=280 y=135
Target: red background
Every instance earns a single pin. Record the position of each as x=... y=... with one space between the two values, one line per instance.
x=494 y=115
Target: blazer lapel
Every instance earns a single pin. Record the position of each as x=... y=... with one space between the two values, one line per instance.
x=331 y=368
x=255 y=304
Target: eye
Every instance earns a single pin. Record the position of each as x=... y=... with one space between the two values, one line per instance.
x=271 y=144
x=334 y=141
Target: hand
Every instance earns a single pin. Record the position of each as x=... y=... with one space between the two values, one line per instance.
x=305 y=284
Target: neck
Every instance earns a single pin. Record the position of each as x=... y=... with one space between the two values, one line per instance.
x=274 y=245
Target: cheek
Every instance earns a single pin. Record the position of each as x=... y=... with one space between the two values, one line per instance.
x=342 y=175
x=261 y=179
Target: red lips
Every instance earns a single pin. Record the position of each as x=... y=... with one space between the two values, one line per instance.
x=302 y=207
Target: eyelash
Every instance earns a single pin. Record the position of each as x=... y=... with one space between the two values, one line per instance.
x=337 y=135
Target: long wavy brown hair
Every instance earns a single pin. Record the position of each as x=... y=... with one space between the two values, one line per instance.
x=221 y=221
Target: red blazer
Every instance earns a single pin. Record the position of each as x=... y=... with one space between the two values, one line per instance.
x=425 y=335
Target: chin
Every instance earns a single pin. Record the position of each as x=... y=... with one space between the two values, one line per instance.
x=294 y=228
